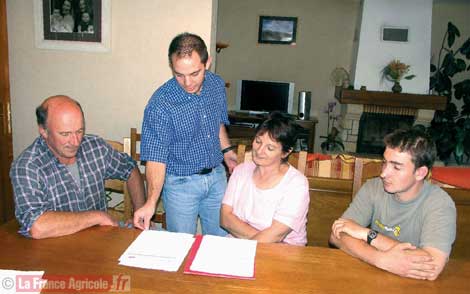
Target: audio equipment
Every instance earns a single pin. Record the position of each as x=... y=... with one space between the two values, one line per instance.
x=305 y=101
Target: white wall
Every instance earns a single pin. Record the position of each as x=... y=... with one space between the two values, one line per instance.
x=374 y=54
x=113 y=87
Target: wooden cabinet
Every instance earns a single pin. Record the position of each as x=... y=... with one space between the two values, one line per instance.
x=243 y=127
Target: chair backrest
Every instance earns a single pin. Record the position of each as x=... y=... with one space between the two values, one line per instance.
x=461 y=198
x=135 y=154
x=123 y=209
x=114 y=184
x=454 y=180
x=296 y=159
x=135 y=138
x=364 y=169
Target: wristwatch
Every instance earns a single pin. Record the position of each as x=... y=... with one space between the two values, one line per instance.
x=371 y=236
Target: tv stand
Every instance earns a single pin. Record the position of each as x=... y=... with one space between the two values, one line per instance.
x=243 y=127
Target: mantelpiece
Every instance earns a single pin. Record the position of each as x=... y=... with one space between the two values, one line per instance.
x=355 y=102
x=406 y=100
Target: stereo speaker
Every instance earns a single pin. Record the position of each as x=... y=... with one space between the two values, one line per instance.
x=305 y=101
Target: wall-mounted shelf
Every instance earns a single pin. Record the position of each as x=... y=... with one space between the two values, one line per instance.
x=219 y=46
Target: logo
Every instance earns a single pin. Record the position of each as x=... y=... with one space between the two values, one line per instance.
x=395 y=230
x=27 y=283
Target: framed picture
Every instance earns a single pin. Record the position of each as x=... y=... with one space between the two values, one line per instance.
x=82 y=25
x=277 y=29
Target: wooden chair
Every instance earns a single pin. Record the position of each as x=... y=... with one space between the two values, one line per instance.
x=461 y=199
x=296 y=159
x=364 y=169
x=159 y=216
x=122 y=210
x=331 y=196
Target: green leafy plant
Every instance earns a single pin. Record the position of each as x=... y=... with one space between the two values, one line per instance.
x=450 y=128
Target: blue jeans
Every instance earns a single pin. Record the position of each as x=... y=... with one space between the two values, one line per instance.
x=186 y=197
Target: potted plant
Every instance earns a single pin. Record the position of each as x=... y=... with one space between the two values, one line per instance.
x=333 y=142
x=395 y=71
x=450 y=128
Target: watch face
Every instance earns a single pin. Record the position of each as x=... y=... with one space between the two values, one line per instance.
x=372 y=234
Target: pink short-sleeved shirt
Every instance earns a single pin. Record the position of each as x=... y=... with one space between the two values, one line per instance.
x=286 y=203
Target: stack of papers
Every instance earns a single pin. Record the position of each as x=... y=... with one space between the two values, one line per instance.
x=222 y=257
x=158 y=250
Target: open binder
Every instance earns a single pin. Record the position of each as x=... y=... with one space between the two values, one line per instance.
x=227 y=269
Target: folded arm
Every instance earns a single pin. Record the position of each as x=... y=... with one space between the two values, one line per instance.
x=240 y=229
x=55 y=223
x=402 y=259
x=273 y=234
x=234 y=225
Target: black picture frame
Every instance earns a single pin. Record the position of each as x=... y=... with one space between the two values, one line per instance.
x=94 y=9
x=277 y=30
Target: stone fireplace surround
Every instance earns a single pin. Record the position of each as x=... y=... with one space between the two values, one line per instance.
x=355 y=102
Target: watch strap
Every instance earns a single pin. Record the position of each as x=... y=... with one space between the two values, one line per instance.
x=371 y=236
x=225 y=150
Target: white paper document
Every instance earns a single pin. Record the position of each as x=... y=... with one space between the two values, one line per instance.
x=13 y=281
x=158 y=250
x=225 y=256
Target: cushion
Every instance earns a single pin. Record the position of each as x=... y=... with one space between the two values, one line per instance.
x=453 y=176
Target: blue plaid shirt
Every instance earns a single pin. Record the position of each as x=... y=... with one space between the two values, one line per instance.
x=182 y=129
x=41 y=183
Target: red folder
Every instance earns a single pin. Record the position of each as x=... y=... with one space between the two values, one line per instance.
x=192 y=255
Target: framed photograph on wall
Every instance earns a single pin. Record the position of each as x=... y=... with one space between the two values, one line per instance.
x=82 y=25
x=277 y=29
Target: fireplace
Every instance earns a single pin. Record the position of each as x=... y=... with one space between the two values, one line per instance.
x=367 y=116
x=374 y=126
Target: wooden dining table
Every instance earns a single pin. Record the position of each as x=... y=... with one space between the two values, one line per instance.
x=279 y=268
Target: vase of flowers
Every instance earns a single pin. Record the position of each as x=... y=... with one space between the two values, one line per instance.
x=396 y=87
x=395 y=71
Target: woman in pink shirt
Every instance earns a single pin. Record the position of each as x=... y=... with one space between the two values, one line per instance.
x=267 y=199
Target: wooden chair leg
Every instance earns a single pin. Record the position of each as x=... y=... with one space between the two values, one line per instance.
x=160 y=218
x=164 y=220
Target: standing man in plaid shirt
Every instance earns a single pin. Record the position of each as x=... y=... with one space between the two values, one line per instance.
x=184 y=142
x=58 y=180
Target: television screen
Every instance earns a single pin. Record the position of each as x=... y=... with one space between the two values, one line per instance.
x=264 y=96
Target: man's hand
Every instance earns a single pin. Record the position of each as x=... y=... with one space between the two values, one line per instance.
x=404 y=261
x=143 y=216
x=105 y=219
x=129 y=223
x=230 y=159
x=349 y=227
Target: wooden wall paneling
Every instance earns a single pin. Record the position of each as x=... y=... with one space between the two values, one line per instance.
x=6 y=147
